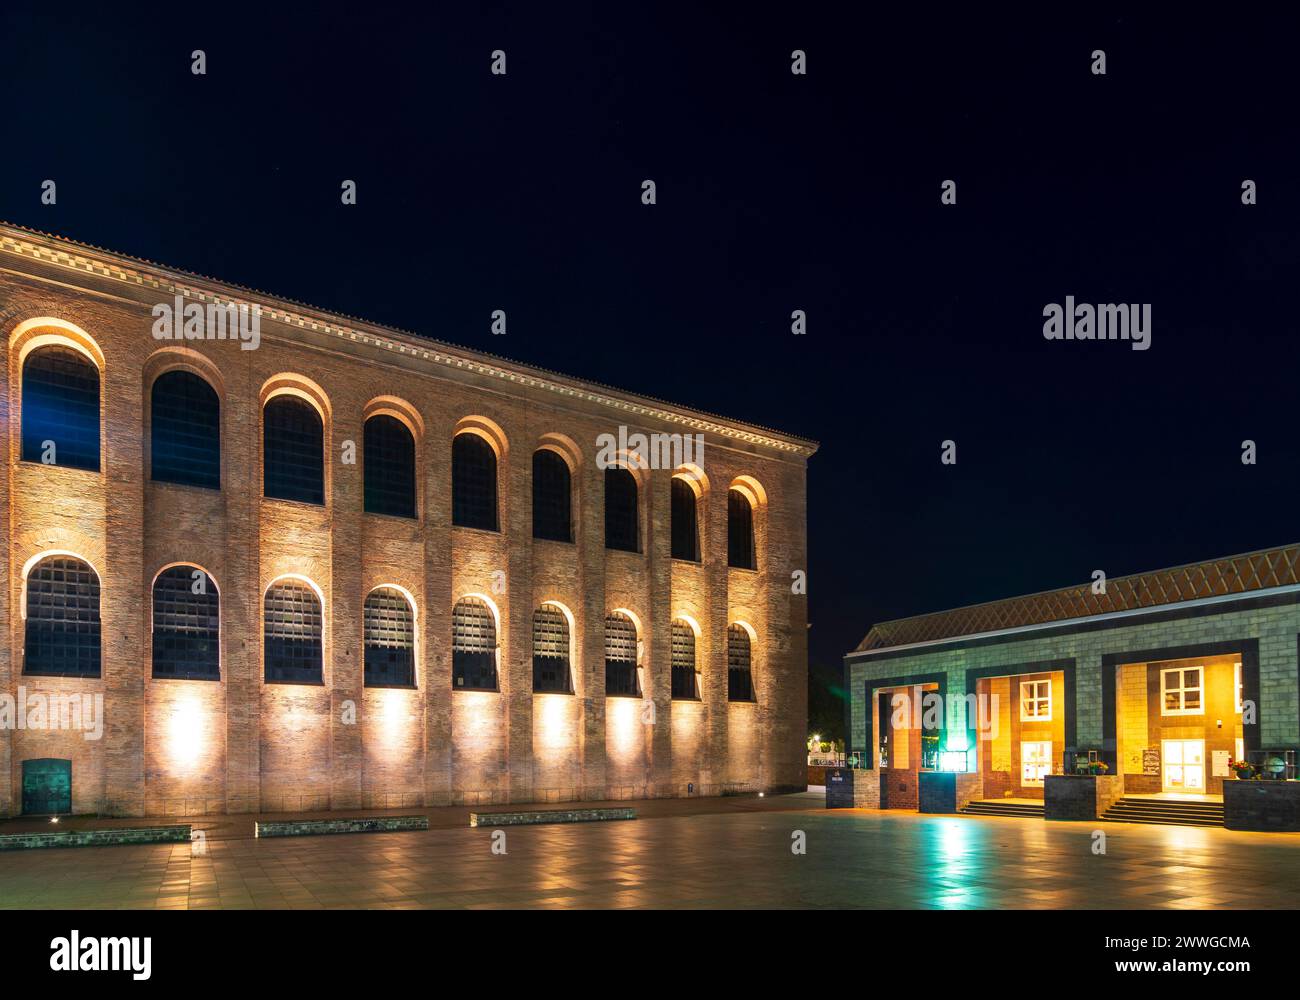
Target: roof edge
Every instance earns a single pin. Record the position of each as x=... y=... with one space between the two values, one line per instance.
x=669 y=411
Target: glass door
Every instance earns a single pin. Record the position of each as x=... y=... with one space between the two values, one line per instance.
x=1184 y=766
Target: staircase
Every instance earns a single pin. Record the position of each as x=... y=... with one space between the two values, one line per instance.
x=993 y=807
x=1175 y=812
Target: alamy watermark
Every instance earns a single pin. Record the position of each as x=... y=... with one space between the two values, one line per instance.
x=62 y=710
x=181 y=320
x=649 y=451
x=1105 y=321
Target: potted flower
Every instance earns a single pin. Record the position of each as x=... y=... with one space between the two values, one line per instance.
x=1244 y=769
x=1097 y=767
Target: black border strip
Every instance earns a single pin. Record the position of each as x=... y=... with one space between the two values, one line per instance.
x=1249 y=650
x=869 y=752
x=1069 y=696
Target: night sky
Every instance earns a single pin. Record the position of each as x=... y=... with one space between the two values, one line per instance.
x=775 y=192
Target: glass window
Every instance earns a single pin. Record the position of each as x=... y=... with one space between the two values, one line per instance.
x=1036 y=701
x=293 y=455
x=685 y=528
x=186 y=625
x=740 y=685
x=185 y=431
x=1180 y=689
x=473 y=646
x=683 y=661
x=292 y=642
x=473 y=483
x=551 y=497
x=62 y=634
x=389 y=639
x=621 y=674
x=621 y=527
x=389 y=467
x=60 y=408
x=551 y=651
x=740 y=531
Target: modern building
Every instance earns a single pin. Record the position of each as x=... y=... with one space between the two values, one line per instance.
x=284 y=559
x=1162 y=677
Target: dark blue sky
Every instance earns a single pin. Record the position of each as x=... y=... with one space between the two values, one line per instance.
x=775 y=192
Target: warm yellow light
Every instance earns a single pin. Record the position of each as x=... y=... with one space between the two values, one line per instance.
x=556 y=728
x=394 y=715
x=625 y=717
x=185 y=732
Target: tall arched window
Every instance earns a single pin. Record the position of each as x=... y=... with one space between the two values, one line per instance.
x=63 y=628
x=61 y=408
x=740 y=682
x=620 y=656
x=473 y=646
x=292 y=631
x=293 y=451
x=551 y=651
x=389 y=467
x=686 y=531
x=186 y=625
x=389 y=639
x=621 y=524
x=185 y=431
x=473 y=483
x=551 y=497
x=683 y=661
x=740 y=531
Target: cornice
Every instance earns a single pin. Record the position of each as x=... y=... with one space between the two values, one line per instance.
x=84 y=258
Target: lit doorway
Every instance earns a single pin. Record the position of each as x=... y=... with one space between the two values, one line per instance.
x=1184 y=766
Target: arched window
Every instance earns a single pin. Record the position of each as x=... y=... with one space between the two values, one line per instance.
x=473 y=483
x=293 y=451
x=186 y=625
x=63 y=628
x=61 y=407
x=390 y=467
x=292 y=631
x=551 y=497
x=686 y=532
x=740 y=682
x=621 y=530
x=185 y=431
x=551 y=651
x=389 y=639
x=740 y=531
x=473 y=646
x=683 y=659
x=620 y=656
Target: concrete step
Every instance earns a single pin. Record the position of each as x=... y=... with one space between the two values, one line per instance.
x=1165 y=812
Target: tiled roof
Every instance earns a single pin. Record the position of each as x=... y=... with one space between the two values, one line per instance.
x=1230 y=575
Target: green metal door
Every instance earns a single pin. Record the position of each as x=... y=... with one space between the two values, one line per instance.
x=47 y=786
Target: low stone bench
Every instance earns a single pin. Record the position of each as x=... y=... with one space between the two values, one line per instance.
x=549 y=816
x=316 y=827
x=108 y=837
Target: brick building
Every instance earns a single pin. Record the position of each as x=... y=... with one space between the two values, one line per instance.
x=1163 y=677
x=354 y=567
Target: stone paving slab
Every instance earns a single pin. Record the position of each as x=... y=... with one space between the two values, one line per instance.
x=728 y=859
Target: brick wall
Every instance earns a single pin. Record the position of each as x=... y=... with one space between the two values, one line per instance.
x=241 y=744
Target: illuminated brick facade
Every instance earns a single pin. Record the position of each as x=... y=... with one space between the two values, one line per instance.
x=240 y=743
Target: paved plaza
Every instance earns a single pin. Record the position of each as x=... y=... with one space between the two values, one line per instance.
x=728 y=856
